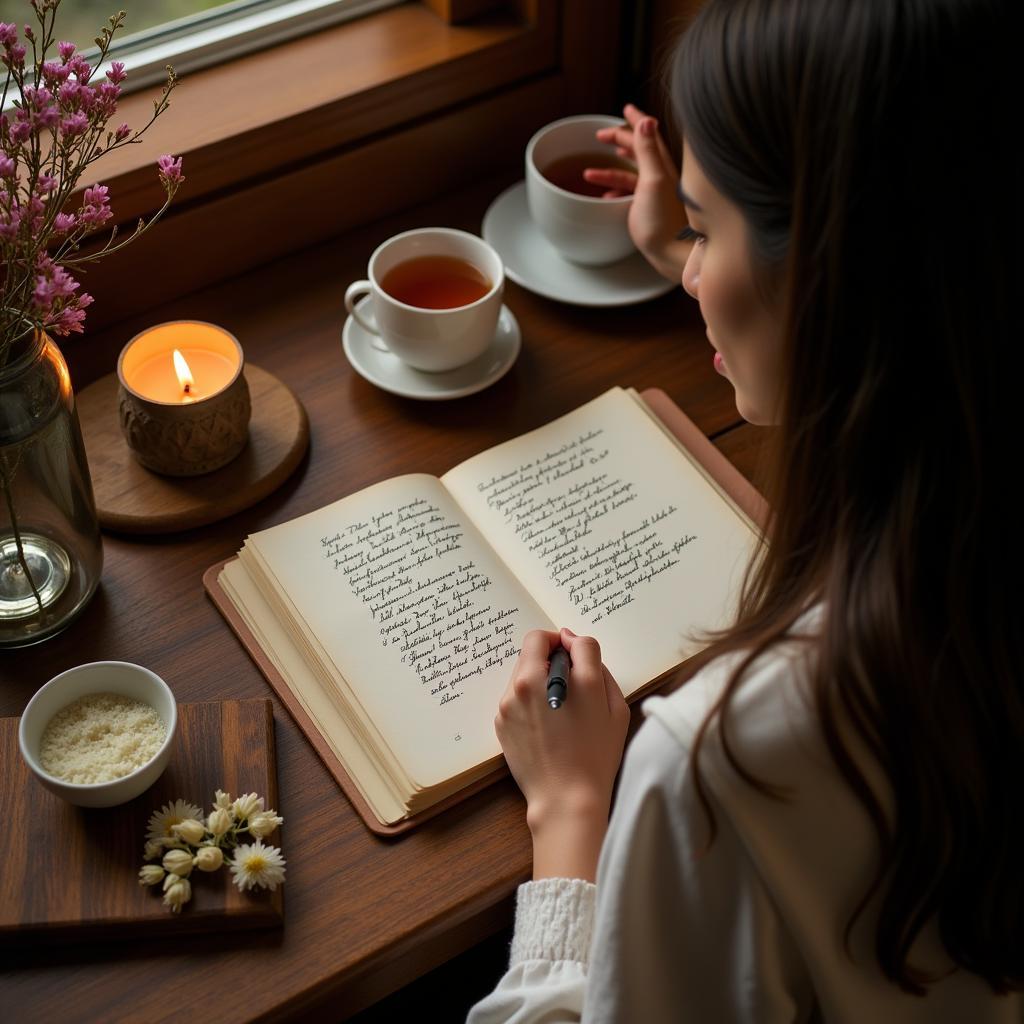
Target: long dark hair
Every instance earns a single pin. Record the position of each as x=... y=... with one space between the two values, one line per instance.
x=868 y=145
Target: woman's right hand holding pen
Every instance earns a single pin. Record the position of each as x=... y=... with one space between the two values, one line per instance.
x=656 y=216
x=565 y=760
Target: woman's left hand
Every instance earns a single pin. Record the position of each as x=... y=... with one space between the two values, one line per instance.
x=564 y=760
x=656 y=215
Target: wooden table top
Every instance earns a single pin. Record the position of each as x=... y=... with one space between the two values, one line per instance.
x=363 y=916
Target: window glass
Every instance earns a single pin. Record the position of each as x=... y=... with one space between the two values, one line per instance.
x=189 y=34
x=80 y=21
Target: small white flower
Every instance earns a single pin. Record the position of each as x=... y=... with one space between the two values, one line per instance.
x=190 y=830
x=262 y=824
x=178 y=862
x=219 y=821
x=255 y=864
x=208 y=858
x=246 y=806
x=177 y=894
x=161 y=822
x=152 y=850
x=222 y=800
x=151 y=874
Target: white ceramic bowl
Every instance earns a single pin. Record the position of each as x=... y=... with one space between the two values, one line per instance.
x=120 y=677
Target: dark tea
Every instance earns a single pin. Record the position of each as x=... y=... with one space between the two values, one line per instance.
x=567 y=171
x=435 y=282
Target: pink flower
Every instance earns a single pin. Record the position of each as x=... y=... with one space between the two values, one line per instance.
x=71 y=317
x=40 y=107
x=68 y=92
x=74 y=125
x=95 y=206
x=48 y=116
x=10 y=222
x=81 y=68
x=97 y=195
x=169 y=171
x=54 y=298
x=35 y=213
x=53 y=285
x=55 y=73
x=108 y=94
x=57 y=97
x=37 y=97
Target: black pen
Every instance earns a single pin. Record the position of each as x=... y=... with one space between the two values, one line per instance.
x=558 y=677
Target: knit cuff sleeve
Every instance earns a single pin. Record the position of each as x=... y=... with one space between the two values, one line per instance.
x=554 y=920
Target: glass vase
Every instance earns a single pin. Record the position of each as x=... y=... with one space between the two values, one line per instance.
x=50 y=548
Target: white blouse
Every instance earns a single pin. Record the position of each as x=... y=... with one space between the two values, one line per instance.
x=750 y=929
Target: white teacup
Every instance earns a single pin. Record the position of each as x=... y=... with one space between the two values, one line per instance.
x=430 y=339
x=586 y=230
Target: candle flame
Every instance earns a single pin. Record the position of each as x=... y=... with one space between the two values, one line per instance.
x=181 y=368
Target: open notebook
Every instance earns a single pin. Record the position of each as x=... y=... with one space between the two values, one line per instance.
x=389 y=620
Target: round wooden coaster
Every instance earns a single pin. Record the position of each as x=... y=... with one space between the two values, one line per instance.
x=132 y=499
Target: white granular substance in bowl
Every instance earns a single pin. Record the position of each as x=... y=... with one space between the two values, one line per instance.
x=100 y=737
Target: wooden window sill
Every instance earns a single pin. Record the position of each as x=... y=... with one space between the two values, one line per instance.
x=260 y=114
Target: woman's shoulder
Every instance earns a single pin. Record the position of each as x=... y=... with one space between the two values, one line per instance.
x=772 y=721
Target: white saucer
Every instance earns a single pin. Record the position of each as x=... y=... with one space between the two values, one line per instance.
x=531 y=261
x=389 y=373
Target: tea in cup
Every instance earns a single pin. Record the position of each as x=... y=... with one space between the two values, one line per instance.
x=435 y=297
x=568 y=210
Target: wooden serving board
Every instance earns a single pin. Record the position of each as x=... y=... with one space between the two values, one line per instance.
x=132 y=499
x=71 y=873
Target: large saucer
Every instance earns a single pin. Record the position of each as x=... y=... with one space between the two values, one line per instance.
x=531 y=261
x=389 y=373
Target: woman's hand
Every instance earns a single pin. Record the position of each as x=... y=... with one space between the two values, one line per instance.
x=656 y=216
x=564 y=760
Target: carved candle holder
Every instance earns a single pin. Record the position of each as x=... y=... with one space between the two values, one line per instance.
x=190 y=427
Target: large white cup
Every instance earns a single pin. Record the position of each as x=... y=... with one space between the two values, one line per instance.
x=586 y=230
x=430 y=339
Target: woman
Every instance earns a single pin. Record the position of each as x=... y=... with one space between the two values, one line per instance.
x=825 y=823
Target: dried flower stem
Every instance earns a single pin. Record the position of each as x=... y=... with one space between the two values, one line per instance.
x=54 y=131
x=5 y=486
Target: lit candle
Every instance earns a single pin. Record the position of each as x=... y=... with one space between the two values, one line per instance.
x=184 y=402
x=148 y=367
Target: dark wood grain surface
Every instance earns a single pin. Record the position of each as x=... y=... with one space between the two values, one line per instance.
x=364 y=915
x=84 y=886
